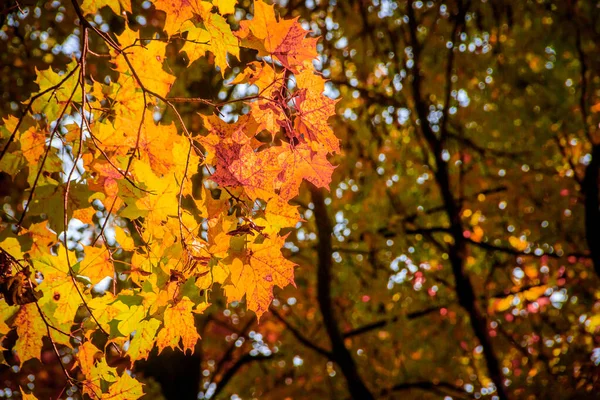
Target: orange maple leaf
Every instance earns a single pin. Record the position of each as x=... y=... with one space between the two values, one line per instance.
x=313 y=111
x=284 y=39
x=261 y=267
x=302 y=163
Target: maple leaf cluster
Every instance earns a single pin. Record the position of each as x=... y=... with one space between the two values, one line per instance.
x=93 y=155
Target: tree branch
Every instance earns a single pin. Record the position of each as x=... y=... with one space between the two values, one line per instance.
x=227 y=376
x=300 y=337
x=381 y=323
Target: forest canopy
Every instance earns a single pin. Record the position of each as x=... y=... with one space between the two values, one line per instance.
x=254 y=199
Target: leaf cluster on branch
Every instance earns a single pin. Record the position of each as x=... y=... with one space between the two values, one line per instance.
x=94 y=154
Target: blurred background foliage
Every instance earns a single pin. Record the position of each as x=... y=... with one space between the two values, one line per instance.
x=463 y=215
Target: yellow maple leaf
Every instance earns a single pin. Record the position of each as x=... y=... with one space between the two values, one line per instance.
x=128 y=107
x=13 y=247
x=160 y=199
x=30 y=329
x=51 y=102
x=215 y=36
x=147 y=62
x=222 y=40
x=101 y=371
x=143 y=339
x=85 y=215
x=126 y=388
x=217 y=273
x=105 y=309
x=151 y=145
x=157 y=299
x=144 y=264
x=61 y=298
x=124 y=240
x=197 y=42
x=130 y=319
x=280 y=214
x=262 y=75
x=178 y=325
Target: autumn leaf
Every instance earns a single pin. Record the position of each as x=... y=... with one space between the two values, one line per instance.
x=254 y=275
x=256 y=172
x=41 y=238
x=143 y=339
x=53 y=100
x=147 y=62
x=100 y=374
x=302 y=163
x=105 y=178
x=52 y=197
x=313 y=111
x=30 y=329
x=165 y=209
x=124 y=240
x=60 y=295
x=106 y=309
x=97 y=264
x=6 y=312
x=150 y=145
x=126 y=388
x=215 y=36
x=159 y=201
x=33 y=145
x=197 y=42
x=285 y=39
x=178 y=326
x=130 y=319
x=280 y=214
x=86 y=357
x=177 y=12
x=13 y=247
x=264 y=27
x=295 y=48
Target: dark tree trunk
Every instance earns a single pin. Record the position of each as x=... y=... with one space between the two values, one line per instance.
x=591 y=192
x=340 y=354
x=177 y=373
